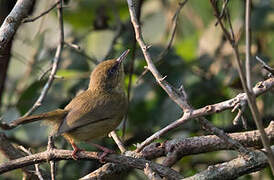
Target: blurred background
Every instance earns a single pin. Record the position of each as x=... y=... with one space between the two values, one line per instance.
x=199 y=58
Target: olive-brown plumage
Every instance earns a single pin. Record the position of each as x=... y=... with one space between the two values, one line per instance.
x=93 y=113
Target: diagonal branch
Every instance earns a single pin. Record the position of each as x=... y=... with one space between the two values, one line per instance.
x=265 y=66
x=42 y=14
x=55 y=64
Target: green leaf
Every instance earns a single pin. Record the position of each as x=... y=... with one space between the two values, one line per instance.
x=187 y=48
x=72 y=74
x=29 y=96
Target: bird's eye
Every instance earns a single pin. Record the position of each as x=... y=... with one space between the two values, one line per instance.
x=112 y=70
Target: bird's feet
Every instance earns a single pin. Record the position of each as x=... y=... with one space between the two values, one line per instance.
x=75 y=151
x=105 y=150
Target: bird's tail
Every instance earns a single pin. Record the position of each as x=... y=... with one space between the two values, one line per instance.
x=49 y=116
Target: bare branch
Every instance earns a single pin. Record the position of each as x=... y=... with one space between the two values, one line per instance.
x=265 y=66
x=55 y=64
x=37 y=170
x=118 y=141
x=52 y=163
x=13 y=153
x=56 y=155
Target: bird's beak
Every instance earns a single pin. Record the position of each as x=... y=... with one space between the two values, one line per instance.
x=123 y=56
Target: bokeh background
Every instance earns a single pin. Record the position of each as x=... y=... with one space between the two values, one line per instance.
x=200 y=58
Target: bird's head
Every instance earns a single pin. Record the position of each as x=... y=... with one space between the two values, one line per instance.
x=108 y=74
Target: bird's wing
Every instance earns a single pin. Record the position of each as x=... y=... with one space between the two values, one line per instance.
x=85 y=109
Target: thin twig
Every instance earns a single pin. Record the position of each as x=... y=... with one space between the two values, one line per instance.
x=81 y=52
x=265 y=66
x=37 y=170
x=52 y=170
x=42 y=14
x=52 y=163
x=74 y=46
x=118 y=141
x=131 y=68
x=223 y=8
x=55 y=64
x=10 y=152
x=45 y=73
x=247 y=45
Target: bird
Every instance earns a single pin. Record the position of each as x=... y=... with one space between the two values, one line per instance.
x=93 y=113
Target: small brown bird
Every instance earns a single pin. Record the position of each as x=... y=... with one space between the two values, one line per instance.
x=93 y=113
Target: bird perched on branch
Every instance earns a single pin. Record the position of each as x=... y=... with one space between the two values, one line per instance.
x=93 y=113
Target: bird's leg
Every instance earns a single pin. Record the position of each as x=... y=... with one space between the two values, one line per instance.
x=75 y=150
x=74 y=146
x=105 y=150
